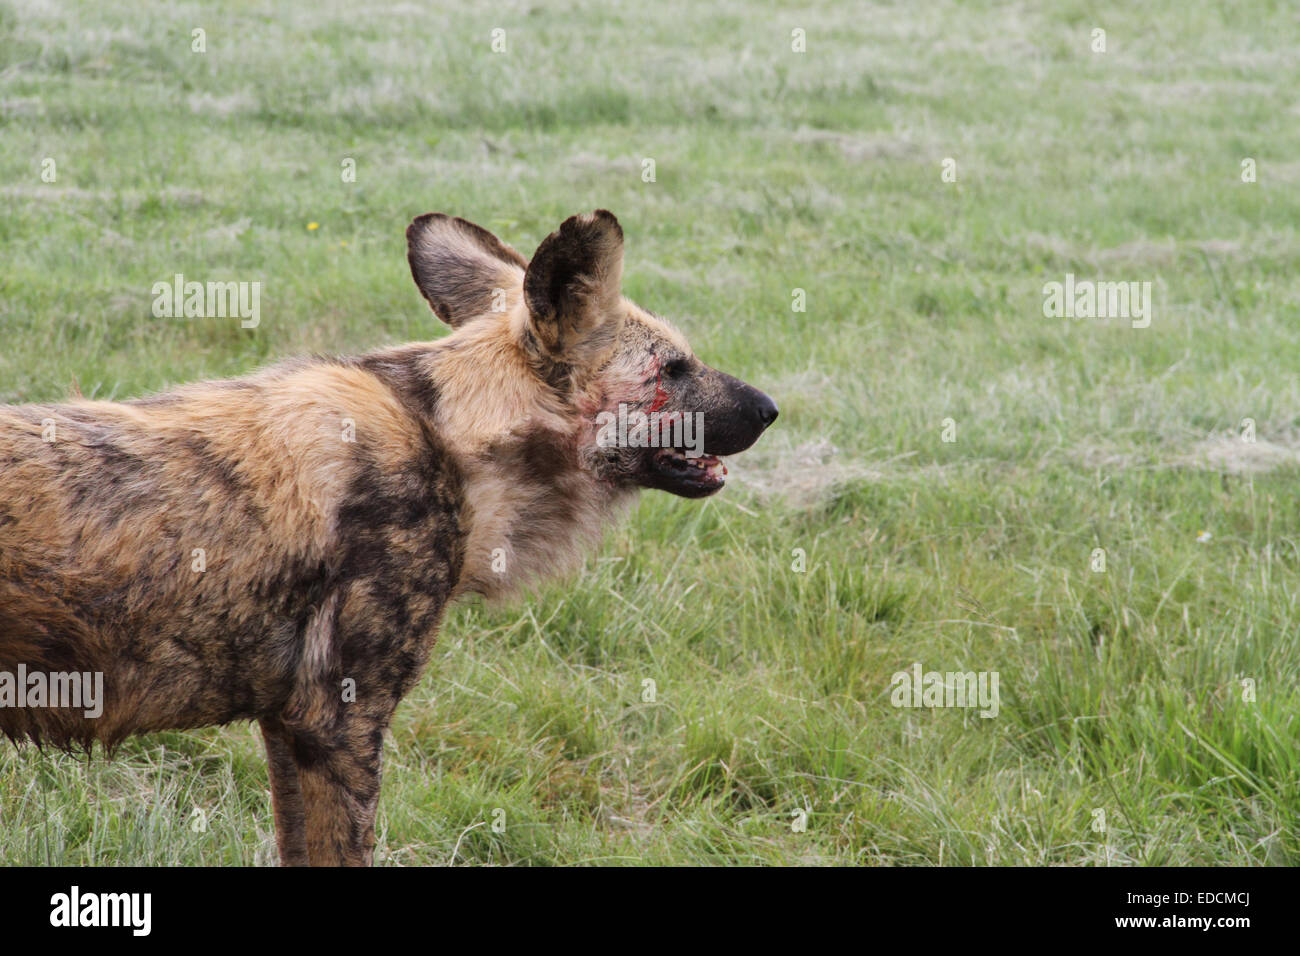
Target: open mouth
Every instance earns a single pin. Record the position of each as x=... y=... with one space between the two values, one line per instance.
x=688 y=477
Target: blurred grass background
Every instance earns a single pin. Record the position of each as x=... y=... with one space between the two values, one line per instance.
x=775 y=171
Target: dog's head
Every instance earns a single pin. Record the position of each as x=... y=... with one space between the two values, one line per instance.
x=653 y=415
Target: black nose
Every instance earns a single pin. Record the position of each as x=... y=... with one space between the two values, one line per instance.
x=767 y=410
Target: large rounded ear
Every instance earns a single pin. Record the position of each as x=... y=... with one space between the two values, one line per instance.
x=573 y=287
x=462 y=269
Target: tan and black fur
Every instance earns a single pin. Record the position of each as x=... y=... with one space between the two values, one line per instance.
x=338 y=505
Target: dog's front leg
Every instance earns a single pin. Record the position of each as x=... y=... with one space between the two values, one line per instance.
x=286 y=795
x=339 y=775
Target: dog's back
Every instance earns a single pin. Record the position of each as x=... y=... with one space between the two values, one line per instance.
x=181 y=544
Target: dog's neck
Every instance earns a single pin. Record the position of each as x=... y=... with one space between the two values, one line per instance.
x=532 y=509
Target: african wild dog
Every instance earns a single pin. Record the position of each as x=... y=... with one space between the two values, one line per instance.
x=239 y=549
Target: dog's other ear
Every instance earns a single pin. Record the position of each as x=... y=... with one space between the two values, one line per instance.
x=573 y=287
x=462 y=269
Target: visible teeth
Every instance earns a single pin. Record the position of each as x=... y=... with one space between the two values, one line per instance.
x=704 y=464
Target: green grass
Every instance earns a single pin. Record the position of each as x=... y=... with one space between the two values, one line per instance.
x=1122 y=691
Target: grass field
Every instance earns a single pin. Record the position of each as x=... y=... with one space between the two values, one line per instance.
x=1149 y=711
